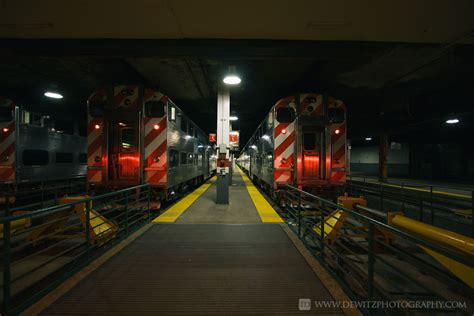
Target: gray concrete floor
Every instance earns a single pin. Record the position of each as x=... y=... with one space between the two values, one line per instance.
x=240 y=209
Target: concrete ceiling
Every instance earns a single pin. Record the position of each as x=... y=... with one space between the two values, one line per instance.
x=395 y=63
x=420 y=21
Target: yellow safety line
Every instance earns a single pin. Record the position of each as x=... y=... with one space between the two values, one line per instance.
x=176 y=210
x=425 y=190
x=265 y=210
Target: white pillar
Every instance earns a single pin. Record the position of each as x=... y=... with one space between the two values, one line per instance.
x=223 y=143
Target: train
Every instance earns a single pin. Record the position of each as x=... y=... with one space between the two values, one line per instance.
x=35 y=148
x=301 y=142
x=138 y=135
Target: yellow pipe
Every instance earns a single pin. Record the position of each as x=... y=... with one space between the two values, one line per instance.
x=16 y=225
x=435 y=234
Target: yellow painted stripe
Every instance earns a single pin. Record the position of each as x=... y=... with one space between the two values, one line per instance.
x=265 y=210
x=176 y=210
x=426 y=190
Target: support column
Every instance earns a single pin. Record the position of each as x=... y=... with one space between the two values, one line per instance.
x=383 y=152
x=223 y=126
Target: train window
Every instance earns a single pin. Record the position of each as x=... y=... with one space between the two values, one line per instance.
x=270 y=120
x=285 y=114
x=171 y=113
x=96 y=108
x=336 y=115
x=82 y=158
x=6 y=114
x=190 y=159
x=191 y=129
x=64 y=157
x=183 y=158
x=154 y=109
x=174 y=158
x=64 y=127
x=309 y=141
x=35 y=157
x=128 y=138
x=184 y=124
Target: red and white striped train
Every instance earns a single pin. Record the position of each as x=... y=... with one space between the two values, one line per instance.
x=137 y=135
x=302 y=142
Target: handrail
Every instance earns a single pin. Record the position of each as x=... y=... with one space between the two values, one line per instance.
x=454 y=254
x=53 y=209
x=415 y=187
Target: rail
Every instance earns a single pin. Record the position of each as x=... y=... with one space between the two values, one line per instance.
x=62 y=239
x=427 y=203
x=372 y=260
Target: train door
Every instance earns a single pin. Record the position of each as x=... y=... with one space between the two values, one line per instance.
x=311 y=154
x=124 y=158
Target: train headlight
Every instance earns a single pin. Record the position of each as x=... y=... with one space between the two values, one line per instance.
x=96 y=126
x=5 y=129
x=156 y=127
x=283 y=131
x=337 y=131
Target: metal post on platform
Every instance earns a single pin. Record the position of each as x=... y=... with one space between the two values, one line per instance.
x=7 y=259
x=370 y=263
x=126 y=213
x=88 y=229
x=223 y=127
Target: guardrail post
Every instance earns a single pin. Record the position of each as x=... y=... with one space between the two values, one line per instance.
x=403 y=197
x=126 y=212
x=421 y=207
x=88 y=229
x=7 y=259
x=431 y=206
x=322 y=231
x=381 y=196
x=148 y=201
x=299 y=214
x=370 y=262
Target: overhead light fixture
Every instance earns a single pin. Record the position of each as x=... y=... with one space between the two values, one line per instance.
x=452 y=121
x=231 y=77
x=53 y=95
x=368 y=139
x=233 y=118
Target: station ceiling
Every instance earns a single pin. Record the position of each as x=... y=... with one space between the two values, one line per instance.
x=401 y=66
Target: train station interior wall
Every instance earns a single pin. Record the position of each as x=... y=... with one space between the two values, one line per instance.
x=365 y=160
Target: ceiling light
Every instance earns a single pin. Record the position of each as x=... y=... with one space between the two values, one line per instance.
x=452 y=121
x=232 y=79
x=53 y=95
x=368 y=139
x=233 y=118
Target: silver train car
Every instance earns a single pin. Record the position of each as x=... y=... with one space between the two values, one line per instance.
x=138 y=135
x=35 y=148
x=302 y=142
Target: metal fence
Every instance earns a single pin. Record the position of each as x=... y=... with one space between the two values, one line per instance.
x=55 y=242
x=35 y=195
x=448 y=208
x=372 y=260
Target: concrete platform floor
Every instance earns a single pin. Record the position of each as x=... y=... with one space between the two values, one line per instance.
x=240 y=209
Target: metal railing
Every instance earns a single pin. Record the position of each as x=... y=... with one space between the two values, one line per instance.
x=372 y=260
x=60 y=240
x=35 y=195
x=443 y=207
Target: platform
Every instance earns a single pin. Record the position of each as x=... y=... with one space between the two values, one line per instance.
x=211 y=259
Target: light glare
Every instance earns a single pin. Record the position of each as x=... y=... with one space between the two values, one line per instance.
x=452 y=121
x=368 y=138
x=232 y=79
x=233 y=118
x=53 y=95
